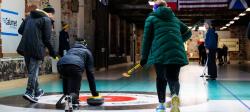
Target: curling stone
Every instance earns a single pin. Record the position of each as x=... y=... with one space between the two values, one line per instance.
x=95 y=101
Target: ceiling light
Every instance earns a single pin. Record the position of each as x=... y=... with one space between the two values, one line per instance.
x=228 y=25
x=248 y=9
x=242 y=14
x=231 y=22
x=151 y=2
x=224 y=27
x=236 y=18
x=202 y=28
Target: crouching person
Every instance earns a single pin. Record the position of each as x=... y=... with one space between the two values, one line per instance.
x=71 y=67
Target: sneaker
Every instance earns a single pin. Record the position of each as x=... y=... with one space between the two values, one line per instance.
x=205 y=75
x=39 y=93
x=161 y=108
x=175 y=103
x=168 y=104
x=30 y=97
x=211 y=79
x=75 y=99
x=68 y=104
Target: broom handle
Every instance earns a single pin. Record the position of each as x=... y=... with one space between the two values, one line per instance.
x=134 y=69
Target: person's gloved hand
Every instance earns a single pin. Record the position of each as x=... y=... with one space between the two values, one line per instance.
x=56 y=58
x=143 y=62
x=53 y=55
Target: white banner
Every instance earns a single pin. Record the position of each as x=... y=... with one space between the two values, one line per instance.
x=12 y=12
x=9 y=22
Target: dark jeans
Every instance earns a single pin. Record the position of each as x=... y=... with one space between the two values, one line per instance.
x=33 y=71
x=167 y=74
x=211 y=65
x=72 y=76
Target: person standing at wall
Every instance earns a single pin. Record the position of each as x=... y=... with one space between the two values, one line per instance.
x=220 y=56
x=225 y=50
x=211 y=44
x=163 y=46
x=64 y=40
x=36 y=34
x=202 y=54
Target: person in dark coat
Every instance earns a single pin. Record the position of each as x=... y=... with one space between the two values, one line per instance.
x=36 y=34
x=202 y=54
x=225 y=50
x=211 y=44
x=163 y=46
x=71 y=67
x=64 y=40
x=220 y=55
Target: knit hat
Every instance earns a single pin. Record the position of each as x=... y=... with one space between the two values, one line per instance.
x=82 y=41
x=159 y=3
x=65 y=26
x=49 y=9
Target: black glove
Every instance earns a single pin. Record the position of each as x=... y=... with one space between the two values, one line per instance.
x=143 y=62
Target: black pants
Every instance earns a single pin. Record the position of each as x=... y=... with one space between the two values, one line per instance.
x=212 y=68
x=203 y=59
x=72 y=76
x=225 y=58
x=167 y=74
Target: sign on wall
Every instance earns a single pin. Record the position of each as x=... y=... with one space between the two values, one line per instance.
x=12 y=12
x=9 y=21
x=232 y=44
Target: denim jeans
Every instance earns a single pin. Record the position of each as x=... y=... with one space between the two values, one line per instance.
x=33 y=71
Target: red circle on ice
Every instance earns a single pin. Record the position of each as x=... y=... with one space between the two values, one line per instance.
x=111 y=98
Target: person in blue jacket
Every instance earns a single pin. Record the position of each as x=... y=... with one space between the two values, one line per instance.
x=211 y=44
x=36 y=34
x=71 y=67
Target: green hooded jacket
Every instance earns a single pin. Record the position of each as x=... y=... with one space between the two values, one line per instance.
x=164 y=37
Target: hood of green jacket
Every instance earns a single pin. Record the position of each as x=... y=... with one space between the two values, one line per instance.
x=164 y=13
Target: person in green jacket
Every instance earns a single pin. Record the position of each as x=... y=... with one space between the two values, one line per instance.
x=163 y=47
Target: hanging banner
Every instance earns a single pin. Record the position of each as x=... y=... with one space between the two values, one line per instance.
x=202 y=4
x=238 y=4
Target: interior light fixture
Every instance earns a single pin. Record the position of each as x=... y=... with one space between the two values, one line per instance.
x=236 y=18
x=248 y=10
x=231 y=22
x=151 y=2
x=228 y=25
x=242 y=14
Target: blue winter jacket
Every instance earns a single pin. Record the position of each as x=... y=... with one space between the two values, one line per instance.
x=36 y=34
x=211 y=39
x=78 y=55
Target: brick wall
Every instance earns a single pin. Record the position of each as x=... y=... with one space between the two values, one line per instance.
x=240 y=32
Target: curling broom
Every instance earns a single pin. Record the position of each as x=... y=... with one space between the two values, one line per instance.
x=132 y=70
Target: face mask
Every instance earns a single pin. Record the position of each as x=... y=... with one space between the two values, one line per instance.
x=155 y=7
